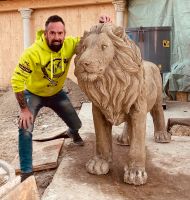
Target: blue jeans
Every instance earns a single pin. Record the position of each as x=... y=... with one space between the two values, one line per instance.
x=61 y=104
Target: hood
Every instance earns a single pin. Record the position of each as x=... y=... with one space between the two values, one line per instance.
x=41 y=41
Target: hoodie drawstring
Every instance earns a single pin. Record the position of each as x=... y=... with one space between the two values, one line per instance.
x=62 y=63
x=52 y=66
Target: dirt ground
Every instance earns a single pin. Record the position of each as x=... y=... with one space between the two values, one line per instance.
x=47 y=120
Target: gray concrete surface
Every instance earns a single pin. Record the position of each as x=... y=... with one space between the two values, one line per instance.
x=72 y=182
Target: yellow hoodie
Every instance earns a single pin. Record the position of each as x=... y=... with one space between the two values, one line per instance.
x=42 y=71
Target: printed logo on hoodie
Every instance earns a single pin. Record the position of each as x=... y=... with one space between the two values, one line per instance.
x=54 y=69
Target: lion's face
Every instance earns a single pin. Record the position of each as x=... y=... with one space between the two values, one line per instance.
x=96 y=54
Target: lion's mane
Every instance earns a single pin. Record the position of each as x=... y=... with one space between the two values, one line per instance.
x=117 y=90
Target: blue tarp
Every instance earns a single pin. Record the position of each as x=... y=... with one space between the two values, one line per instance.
x=174 y=13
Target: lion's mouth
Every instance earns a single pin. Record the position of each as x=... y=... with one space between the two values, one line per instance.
x=92 y=69
x=88 y=74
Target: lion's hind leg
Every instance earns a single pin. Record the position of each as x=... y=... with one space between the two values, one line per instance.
x=124 y=138
x=160 y=133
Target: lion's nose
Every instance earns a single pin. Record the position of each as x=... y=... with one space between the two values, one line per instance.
x=86 y=63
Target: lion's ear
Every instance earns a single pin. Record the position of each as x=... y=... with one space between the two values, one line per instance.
x=119 y=31
x=85 y=33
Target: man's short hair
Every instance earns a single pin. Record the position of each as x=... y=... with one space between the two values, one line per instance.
x=54 y=18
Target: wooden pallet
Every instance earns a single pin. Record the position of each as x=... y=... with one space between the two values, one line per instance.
x=182 y=96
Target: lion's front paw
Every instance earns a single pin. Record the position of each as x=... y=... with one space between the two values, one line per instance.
x=97 y=166
x=162 y=137
x=136 y=176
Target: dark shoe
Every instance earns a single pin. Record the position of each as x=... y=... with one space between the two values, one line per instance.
x=76 y=138
x=24 y=176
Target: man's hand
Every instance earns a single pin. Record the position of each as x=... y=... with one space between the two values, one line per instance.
x=104 y=19
x=26 y=118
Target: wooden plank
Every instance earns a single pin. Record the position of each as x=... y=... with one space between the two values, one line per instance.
x=33 y=4
x=45 y=155
x=7 y=187
x=182 y=96
x=12 y=23
x=27 y=190
x=55 y=134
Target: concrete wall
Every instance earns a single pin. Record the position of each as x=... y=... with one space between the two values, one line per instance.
x=78 y=15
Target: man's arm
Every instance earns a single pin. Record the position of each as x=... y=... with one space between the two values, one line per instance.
x=21 y=101
x=20 y=76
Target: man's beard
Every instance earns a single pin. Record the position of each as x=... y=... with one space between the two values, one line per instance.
x=55 y=47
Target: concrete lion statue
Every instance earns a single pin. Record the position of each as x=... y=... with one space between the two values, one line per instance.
x=122 y=88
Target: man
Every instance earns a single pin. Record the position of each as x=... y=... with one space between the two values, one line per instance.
x=38 y=80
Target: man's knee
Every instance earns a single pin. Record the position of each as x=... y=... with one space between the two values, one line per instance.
x=25 y=133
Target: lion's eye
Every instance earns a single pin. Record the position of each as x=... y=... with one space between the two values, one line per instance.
x=104 y=46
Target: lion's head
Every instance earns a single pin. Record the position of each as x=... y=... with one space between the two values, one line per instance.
x=108 y=68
